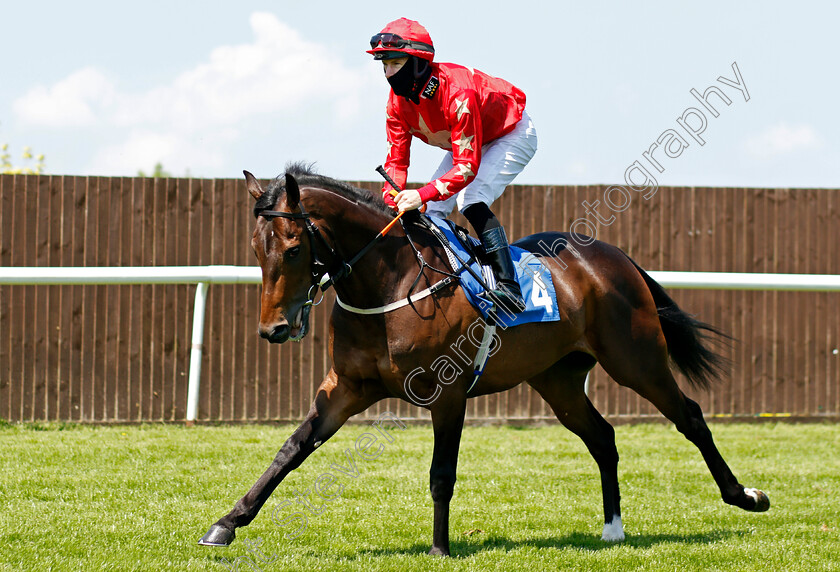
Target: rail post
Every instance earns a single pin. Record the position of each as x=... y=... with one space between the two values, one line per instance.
x=196 y=350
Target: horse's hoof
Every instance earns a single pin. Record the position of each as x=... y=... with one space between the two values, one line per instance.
x=218 y=535
x=613 y=530
x=435 y=551
x=762 y=501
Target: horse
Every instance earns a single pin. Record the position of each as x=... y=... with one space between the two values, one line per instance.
x=312 y=230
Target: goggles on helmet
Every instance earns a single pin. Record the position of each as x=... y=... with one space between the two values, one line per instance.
x=396 y=41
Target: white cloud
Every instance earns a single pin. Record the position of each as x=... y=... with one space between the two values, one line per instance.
x=277 y=72
x=77 y=100
x=275 y=79
x=577 y=167
x=781 y=139
x=141 y=149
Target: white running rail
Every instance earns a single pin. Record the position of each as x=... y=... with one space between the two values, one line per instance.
x=203 y=276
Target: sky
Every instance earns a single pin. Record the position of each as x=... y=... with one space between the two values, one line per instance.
x=211 y=88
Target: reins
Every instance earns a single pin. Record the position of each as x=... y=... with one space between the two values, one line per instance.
x=324 y=276
x=483 y=353
x=437 y=234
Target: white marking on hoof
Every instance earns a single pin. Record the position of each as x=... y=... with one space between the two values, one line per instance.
x=613 y=531
x=762 y=501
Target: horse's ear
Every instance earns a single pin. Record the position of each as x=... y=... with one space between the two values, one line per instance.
x=253 y=185
x=292 y=192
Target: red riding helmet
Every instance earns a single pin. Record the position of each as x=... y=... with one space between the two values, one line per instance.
x=400 y=38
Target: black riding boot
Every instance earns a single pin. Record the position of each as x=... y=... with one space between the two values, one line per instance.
x=497 y=250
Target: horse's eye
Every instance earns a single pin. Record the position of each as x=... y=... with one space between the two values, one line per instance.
x=293 y=252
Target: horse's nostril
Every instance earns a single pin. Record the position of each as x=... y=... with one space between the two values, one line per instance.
x=276 y=334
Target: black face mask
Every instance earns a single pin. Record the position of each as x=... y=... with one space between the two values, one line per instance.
x=411 y=78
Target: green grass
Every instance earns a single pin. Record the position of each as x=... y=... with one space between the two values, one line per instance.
x=138 y=498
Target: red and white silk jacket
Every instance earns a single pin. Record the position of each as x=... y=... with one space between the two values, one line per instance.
x=460 y=110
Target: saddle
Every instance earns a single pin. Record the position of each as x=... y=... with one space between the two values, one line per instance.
x=465 y=253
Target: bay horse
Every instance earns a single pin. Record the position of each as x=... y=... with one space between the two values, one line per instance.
x=612 y=313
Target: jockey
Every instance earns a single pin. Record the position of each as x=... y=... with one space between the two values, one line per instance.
x=479 y=119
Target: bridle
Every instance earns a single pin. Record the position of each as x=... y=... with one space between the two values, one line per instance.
x=326 y=274
x=334 y=270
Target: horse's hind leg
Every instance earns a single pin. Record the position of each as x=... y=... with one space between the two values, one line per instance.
x=562 y=386
x=647 y=373
x=688 y=417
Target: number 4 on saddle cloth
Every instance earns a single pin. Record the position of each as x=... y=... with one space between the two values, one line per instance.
x=533 y=276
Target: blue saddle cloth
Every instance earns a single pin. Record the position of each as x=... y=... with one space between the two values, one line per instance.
x=533 y=277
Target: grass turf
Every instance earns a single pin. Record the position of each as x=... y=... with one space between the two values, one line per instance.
x=138 y=498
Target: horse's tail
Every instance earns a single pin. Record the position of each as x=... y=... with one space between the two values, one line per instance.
x=686 y=338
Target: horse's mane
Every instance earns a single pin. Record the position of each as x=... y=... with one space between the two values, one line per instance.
x=305 y=175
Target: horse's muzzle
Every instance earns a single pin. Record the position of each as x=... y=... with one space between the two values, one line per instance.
x=281 y=330
x=276 y=333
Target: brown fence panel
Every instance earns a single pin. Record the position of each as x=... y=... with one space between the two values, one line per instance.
x=7 y=374
x=121 y=353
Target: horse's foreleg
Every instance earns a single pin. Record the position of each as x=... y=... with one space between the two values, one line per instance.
x=335 y=402
x=448 y=422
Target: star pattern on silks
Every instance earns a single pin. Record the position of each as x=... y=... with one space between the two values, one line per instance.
x=465 y=170
x=461 y=108
x=442 y=188
x=390 y=146
x=464 y=143
x=436 y=138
